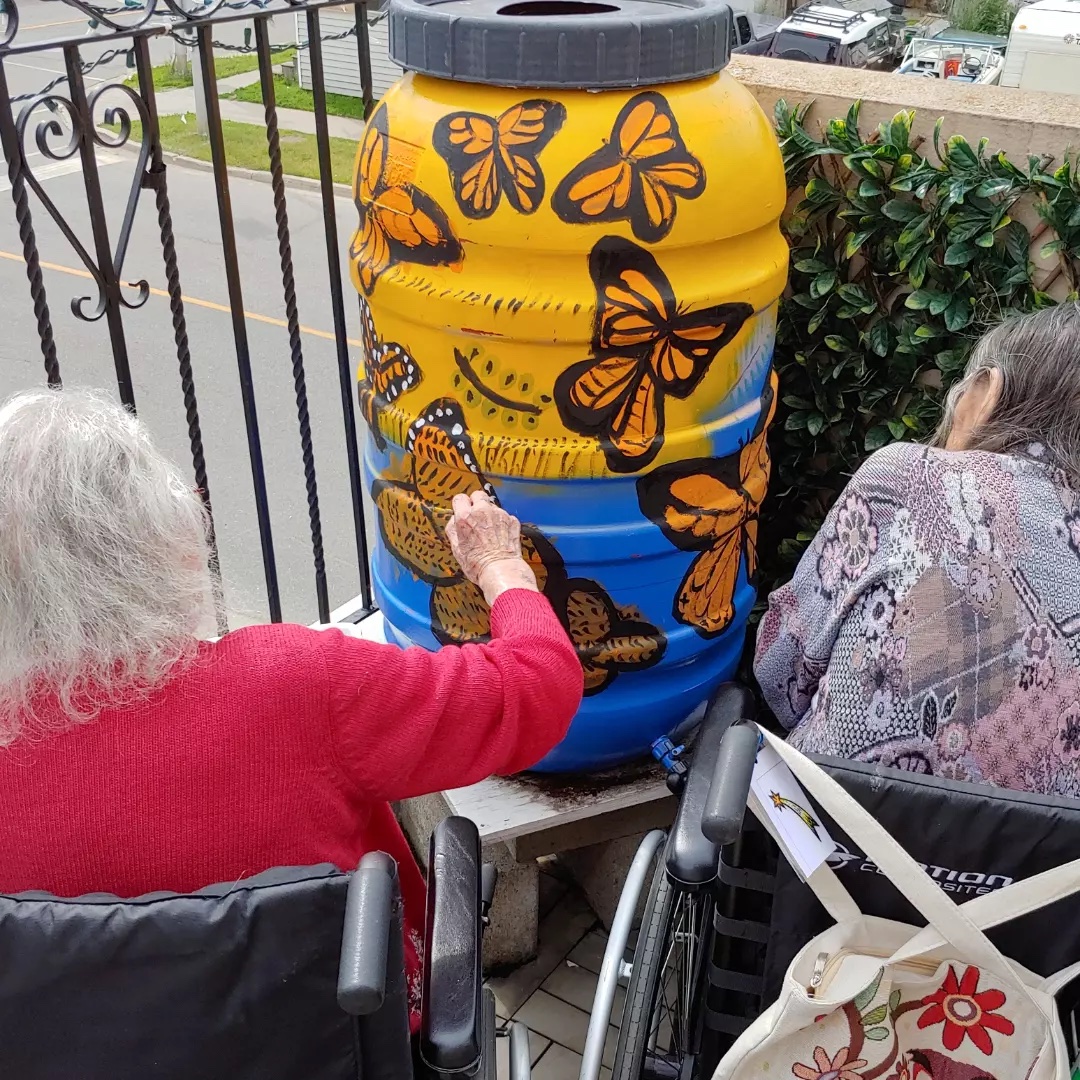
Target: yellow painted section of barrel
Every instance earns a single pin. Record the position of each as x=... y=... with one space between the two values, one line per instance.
x=490 y=309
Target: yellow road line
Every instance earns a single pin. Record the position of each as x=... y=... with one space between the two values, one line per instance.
x=59 y=22
x=194 y=301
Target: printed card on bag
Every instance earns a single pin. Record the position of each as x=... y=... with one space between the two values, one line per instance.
x=796 y=824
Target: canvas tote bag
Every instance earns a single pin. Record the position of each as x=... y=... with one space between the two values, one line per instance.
x=873 y=999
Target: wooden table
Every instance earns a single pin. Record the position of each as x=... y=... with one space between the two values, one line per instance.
x=524 y=817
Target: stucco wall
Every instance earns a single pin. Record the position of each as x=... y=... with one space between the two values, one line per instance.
x=1020 y=122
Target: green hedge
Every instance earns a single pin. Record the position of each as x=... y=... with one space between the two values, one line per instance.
x=901 y=255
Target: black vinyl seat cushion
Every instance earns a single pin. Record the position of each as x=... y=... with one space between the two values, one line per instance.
x=233 y=982
x=971 y=838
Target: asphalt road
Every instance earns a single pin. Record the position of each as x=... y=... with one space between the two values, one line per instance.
x=86 y=357
x=42 y=21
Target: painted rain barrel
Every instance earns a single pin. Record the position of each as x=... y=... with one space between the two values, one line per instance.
x=569 y=261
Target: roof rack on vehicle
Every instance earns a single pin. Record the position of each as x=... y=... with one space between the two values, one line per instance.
x=836 y=20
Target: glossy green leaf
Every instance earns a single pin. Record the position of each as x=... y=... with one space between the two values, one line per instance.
x=919 y=300
x=877 y=437
x=939 y=302
x=901 y=210
x=880 y=338
x=815 y=424
x=960 y=254
x=958 y=314
x=823 y=284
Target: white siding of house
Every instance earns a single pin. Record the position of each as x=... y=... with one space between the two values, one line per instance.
x=340 y=60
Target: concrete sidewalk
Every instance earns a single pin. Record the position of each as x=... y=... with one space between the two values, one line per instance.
x=178 y=102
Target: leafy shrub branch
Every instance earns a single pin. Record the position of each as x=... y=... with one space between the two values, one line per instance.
x=900 y=259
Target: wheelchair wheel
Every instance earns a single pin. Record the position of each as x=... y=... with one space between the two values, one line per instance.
x=661 y=1023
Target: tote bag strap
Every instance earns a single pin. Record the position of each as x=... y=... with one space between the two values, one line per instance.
x=900 y=868
x=824 y=883
x=993 y=909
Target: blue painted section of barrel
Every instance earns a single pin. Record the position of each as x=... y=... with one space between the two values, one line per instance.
x=600 y=534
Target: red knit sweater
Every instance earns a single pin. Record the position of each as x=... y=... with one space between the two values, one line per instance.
x=282 y=746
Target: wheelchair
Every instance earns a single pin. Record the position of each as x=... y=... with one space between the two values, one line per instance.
x=294 y=974
x=724 y=914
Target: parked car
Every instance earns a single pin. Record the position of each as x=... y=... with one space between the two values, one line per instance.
x=749 y=38
x=856 y=36
x=1044 y=48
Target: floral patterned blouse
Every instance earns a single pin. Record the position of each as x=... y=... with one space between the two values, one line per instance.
x=934 y=623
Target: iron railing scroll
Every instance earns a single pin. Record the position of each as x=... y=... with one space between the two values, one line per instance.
x=67 y=120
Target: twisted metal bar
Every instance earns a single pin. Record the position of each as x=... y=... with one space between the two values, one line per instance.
x=292 y=314
x=154 y=178
x=13 y=152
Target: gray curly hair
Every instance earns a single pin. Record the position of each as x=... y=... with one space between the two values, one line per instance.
x=104 y=585
x=1038 y=356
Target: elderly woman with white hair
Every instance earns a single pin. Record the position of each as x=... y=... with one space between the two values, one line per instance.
x=934 y=623
x=137 y=755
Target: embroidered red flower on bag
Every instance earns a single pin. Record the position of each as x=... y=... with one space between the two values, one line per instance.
x=964 y=1011
x=826 y=1068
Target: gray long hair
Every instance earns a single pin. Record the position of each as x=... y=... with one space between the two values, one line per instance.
x=1038 y=356
x=104 y=586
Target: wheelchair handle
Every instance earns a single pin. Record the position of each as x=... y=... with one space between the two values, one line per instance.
x=725 y=806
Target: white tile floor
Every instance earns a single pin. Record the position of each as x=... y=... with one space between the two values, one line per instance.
x=553 y=995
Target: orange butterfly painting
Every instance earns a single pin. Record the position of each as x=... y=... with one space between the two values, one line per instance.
x=645 y=347
x=636 y=175
x=489 y=157
x=389 y=372
x=399 y=223
x=711 y=506
x=609 y=639
x=413 y=512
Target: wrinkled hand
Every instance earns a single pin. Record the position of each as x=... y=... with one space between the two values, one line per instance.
x=486 y=541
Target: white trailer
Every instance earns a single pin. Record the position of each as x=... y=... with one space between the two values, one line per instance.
x=1044 y=48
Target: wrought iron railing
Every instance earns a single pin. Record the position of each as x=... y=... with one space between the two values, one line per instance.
x=70 y=119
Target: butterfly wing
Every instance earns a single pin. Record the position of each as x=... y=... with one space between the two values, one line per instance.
x=755 y=466
x=754 y=462
x=369 y=336
x=459 y=614
x=468 y=143
x=369 y=252
x=444 y=464
x=416 y=227
x=636 y=174
x=608 y=639
x=615 y=394
x=700 y=506
x=398 y=222
x=410 y=534
x=706 y=596
x=545 y=561
x=523 y=131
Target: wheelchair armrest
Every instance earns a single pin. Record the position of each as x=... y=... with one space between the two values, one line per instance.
x=365 y=942
x=451 y=1017
x=725 y=806
x=693 y=851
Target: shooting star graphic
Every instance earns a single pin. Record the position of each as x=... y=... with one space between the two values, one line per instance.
x=800 y=812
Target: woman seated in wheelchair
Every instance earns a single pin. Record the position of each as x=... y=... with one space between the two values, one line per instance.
x=137 y=754
x=934 y=623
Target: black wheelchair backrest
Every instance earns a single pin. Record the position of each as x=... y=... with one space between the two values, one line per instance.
x=236 y=981
x=970 y=839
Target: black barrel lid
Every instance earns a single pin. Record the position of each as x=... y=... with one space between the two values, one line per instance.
x=572 y=44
